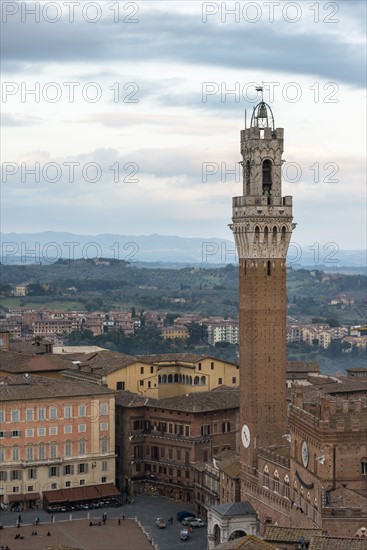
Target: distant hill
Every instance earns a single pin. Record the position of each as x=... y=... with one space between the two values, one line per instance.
x=49 y=246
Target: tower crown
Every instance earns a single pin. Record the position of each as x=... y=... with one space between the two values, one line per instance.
x=262 y=117
x=262 y=217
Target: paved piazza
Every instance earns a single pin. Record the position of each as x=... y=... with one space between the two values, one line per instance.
x=77 y=534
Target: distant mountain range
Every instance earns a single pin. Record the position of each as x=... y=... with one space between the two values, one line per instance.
x=49 y=246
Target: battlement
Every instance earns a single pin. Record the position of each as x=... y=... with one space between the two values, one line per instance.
x=254 y=133
x=333 y=414
x=279 y=455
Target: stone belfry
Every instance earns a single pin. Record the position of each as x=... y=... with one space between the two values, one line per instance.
x=262 y=228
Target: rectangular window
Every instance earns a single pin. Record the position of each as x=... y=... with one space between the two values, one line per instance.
x=41 y=432
x=2 y=434
x=15 y=433
x=2 y=454
x=15 y=415
x=220 y=381
x=178 y=472
x=170 y=454
x=104 y=466
x=53 y=450
x=103 y=479
x=53 y=471
x=15 y=453
x=82 y=468
x=178 y=454
x=215 y=428
x=2 y=416
x=68 y=429
x=29 y=453
x=141 y=382
x=205 y=429
x=103 y=426
x=42 y=413
x=82 y=482
x=226 y=427
x=30 y=488
x=32 y=473
x=3 y=475
x=15 y=475
x=212 y=365
x=149 y=384
x=29 y=415
x=53 y=486
x=82 y=410
x=187 y=431
x=67 y=411
x=69 y=470
x=234 y=380
x=104 y=445
x=82 y=428
x=67 y=483
x=199 y=366
x=151 y=370
x=15 y=489
x=29 y=432
x=52 y=430
x=41 y=452
x=67 y=448
x=141 y=370
x=104 y=409
x=82 y=447
x=120 y=385
x=53 y=413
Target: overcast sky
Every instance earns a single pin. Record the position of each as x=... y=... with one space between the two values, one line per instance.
x=133 y=124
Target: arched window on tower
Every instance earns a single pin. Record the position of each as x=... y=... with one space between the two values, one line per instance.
x=276 y=483
x=286 y=486
x=266 y=477
x=248 y=177
x=267 y=180
x=257 y=234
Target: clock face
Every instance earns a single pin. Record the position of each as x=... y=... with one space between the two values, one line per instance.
x=245 y=434
x=304 y=451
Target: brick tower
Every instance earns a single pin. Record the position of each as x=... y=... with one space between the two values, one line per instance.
x=262 y=228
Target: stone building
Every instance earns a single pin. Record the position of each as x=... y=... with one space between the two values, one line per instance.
x=304 y=465
x=159 y=441
x=55 y=435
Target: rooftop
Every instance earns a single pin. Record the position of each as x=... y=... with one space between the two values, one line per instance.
x=194 y=402
x=15 y=387
x=234 y=509
x=15 y=362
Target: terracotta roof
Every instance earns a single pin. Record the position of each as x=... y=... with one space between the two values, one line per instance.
x=274 y=533
x=346 y=384
x=302 y=366
x=130 y=399
x=202 y=401
x=179 y=358
x=193 y=402
x=332 y=543
x=14 y=387
x=15 y=362
x=250 y=542
x=230 y=466
x=342 y=497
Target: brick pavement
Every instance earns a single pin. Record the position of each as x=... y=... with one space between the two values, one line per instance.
x=77 y=535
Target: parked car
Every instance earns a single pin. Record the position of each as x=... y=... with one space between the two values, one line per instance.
x=184 y=514
x=186 y=521
x=160 y=523
x=196 y=522
x=184 y=534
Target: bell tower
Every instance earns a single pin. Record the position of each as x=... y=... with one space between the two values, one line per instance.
x=262 y=228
